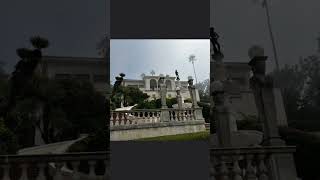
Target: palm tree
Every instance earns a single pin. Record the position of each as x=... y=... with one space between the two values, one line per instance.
x=192 y=59
x=266 y=7
x=152 y=72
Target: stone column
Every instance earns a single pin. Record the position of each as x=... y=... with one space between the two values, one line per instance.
x=197 y=110
x=163 y=95
x=221 y=115
x=179 y=98
x=282 y=165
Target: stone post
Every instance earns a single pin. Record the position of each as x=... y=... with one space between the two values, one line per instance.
x=179 y=98
x=197 y=110
x=192 y=91
x=221 y=114
x=163 y=95
x=282 y=165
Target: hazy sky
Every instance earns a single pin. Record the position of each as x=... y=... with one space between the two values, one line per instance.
x=72 y=26
x=241 y=23
x=134 y=57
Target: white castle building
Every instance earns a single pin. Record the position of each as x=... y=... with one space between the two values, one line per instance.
x=150 y=85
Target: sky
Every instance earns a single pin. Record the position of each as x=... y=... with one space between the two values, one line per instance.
x=134 y=57
x=242 y=23
x=73 y=27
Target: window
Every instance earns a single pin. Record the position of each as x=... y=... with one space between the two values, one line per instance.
x=153 y=84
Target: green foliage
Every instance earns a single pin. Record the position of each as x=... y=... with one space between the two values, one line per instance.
x=205 y=111
x=204 y=90
x=133 y=95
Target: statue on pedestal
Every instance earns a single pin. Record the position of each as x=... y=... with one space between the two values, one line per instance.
x=217 y=54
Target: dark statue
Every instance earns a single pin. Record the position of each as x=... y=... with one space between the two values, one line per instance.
x=177 y=75
x=216 y=46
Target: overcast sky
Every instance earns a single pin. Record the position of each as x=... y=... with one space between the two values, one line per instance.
x=134 y=57
x=73 y=27
x=241 y=23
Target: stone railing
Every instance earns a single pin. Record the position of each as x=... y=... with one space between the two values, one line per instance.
x=141 y=116
x=252 y=163
x=86 y=166
x=181 y=114
x=147 y=116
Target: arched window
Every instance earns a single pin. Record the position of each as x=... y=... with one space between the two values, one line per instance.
x=168 y=84
x=153 y=84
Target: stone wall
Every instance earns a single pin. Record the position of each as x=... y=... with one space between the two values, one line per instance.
x=124 y=133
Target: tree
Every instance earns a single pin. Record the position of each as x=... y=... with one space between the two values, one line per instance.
x=192 y=59
x=133 y=95
x=265 y=5
x=204 y=90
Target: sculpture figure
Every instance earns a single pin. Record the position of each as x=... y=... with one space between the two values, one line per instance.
x=216 y=46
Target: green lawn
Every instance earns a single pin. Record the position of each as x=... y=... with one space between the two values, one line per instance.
x=200 y=136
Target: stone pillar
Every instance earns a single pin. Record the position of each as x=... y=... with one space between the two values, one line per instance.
x=221 y=113
x=163 y=95
x=282 y=165
x=192 y=91
x=179 y=98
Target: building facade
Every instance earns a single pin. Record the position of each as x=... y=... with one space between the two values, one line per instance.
x=94 y=70
x=150 y=85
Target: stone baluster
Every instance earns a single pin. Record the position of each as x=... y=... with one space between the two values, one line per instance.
x=262 y=169
x=92 y=172
x=41 y=172
x=116 y=119
x=58 y=174
x=213 y=172
x=236 y=170
x=75 y=167
x=24 y=171
x=148 y=117
x=158 y=116
x=250 y=171
x=111 y=119
x=6 y=172
x=192 y=115
x=177 y=112
x=121 y=118
x=183 y=115
x=170 y=115
x=224 y=172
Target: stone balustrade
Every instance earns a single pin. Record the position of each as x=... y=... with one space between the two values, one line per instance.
x=250 y=163
x=131 y=117
x=147 y=116
x=182 y=114
x=72 y=166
